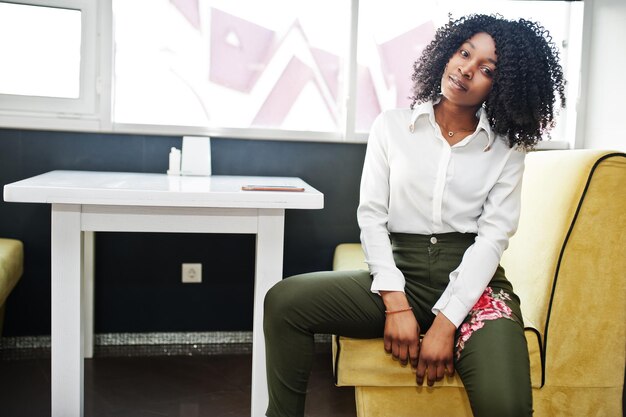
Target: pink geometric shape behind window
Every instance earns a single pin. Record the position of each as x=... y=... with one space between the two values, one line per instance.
x=239 y=50
x=397 y=57
x=189 y=9
x=284 y=94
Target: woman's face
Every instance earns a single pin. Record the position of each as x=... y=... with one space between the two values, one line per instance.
x=468 y=77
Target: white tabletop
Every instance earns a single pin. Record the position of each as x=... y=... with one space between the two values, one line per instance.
x=138 y=189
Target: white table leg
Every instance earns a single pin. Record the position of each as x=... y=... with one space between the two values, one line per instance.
x=67 y=338
x=88 y=293
x=268 y=271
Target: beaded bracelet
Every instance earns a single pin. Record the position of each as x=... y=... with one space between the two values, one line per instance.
x=398 y=311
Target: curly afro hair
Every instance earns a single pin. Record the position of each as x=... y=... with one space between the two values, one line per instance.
x=528 y=77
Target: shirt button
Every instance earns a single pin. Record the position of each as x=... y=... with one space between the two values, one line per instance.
x=433 y=240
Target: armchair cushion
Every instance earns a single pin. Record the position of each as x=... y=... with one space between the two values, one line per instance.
x=11 y=266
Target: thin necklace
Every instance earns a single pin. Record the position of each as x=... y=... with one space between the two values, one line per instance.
x=451 y=133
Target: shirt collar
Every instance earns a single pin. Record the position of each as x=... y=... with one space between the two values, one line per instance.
x=428 y=109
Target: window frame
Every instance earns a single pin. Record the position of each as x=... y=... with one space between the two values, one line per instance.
x=85 y=104
x=92 y=112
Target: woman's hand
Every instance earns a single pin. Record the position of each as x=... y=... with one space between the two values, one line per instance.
x=435 y=359
x=401 y=329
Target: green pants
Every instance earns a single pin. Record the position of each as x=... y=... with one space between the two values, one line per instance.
x=490 y=352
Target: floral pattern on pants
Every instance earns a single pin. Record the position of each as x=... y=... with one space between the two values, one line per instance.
x=490 y=306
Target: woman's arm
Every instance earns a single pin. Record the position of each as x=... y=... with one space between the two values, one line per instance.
x=373 y=212
x=401 y=337
x=496 y=225
x=435 y=359
x=401 y=328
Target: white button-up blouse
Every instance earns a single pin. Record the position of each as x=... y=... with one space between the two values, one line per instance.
x=413 y=181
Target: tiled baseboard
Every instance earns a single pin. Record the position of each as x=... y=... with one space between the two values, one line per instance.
x=145 y=344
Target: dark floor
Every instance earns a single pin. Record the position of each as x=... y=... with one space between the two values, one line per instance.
x=181 y=386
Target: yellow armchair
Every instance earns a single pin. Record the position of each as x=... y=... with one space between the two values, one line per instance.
x=11 y=268
x=567 y=263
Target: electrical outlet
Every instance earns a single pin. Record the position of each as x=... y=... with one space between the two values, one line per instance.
x=192 y=273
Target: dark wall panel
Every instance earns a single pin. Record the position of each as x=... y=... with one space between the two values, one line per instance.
x=138 y=286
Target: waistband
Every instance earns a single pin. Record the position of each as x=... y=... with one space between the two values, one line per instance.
x=452 y=238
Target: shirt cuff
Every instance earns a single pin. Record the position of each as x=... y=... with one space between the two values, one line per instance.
x=452 y=308
x=387 y=284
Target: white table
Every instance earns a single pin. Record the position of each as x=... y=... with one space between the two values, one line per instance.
x=85 y=202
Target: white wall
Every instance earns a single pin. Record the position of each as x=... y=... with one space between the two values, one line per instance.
x=602 y=120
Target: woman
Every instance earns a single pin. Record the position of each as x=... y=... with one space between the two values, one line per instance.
x=440 y=197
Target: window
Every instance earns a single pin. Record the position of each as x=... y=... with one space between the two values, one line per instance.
x=279 y=69
x=48 y=60
x=231 y=64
